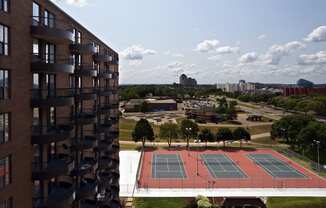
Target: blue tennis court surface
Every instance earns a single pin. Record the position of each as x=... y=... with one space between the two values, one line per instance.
x=222 y=167
x=275 y=167
x=167 y=166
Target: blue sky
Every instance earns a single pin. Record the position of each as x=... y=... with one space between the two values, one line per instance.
x=214 y=41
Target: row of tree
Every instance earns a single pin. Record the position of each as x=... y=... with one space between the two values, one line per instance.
x=302 y=133
x=314 y=103
x=187 y=130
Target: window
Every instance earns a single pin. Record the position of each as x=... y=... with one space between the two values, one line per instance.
x=52 y=116
x=4 y=85
x=78 y=37
x=50 y=53
x=97 y=48
x=36 y=47
x=4 y=40
x=49 y=19
x=6 y=203
x=36 y=81
x=5 y=173
x=36 y=14
x=36 y=116
x=4 y=6
x=4 y=129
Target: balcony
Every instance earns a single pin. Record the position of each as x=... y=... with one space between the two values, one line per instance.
x=61 y=195
x=54 y=31
x=104 y=162
x=86 y=71
x=104 y=91
x=85 y=93
x=105 y=108
x=83 y=49
x=85 y=166
x=55 y=167
x=88 y=204
x=102 y=58
x=105 y=73
x=102 y=146
x=45 y=98
x=103 y=126
x=85 y=143
x=51 y=133
x=87 y=188
x=58 y=65
x=85 y=118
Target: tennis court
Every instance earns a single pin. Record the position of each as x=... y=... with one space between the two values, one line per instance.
x=222 y=167
x=167 y=166
x=276 y=167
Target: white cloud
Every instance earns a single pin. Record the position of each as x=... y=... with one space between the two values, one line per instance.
x=79 y=3
x=207 y=46
x=178 y=55
x=313 y=59
x=227 y=50
x=136 y=52
x=215 y=58
x=276 y=52
x=317 y=35
x=262 y=36
x=248 y=57
x=179 y=66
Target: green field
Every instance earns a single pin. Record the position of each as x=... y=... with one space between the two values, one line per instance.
x=126 y=127
x=161 y=203
x=304 y=202
x=275 y=202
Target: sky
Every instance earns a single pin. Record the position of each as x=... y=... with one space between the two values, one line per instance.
x=213 y=41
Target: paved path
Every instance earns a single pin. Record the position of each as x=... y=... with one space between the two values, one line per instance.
x=214 y=144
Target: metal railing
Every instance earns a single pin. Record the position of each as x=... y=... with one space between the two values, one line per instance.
x=52 y=93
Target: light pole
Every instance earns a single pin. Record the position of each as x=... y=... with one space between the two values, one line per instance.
x=188 y=136
x=317 y=143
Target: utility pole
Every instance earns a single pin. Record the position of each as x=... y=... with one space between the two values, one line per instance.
x=318 y=159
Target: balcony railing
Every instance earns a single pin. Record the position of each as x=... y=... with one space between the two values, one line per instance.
x=51 y=29
x=59 y=131
x=86 y=70
x=52 y=97
x=56 y=166
x=52 y=64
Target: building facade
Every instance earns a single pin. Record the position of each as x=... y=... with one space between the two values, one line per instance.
x=58 y=110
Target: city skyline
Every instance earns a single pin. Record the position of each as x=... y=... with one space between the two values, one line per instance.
x=214 y=42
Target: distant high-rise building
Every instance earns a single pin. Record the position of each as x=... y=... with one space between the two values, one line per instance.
x=187 y=81
x=242 y=86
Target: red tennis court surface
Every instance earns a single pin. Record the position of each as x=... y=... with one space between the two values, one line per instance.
x=197 y=174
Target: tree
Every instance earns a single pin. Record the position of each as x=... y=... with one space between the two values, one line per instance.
x=143 y=131
x=203 y=202
x=224 y=134
x=241 y=134
x=169 y=131
x=206 y=135
x=144 y=107
x=189 y=129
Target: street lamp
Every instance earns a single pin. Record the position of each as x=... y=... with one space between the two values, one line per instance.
x=317 y=143
x=188 y=129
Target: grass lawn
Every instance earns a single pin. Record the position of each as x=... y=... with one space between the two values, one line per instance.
x=293 y=202
x=252 y=129
x=265 y=140
x=127 y=125
x=129 y=147
x=160 y=202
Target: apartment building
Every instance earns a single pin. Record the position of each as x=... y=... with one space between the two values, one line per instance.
x=58 y=111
